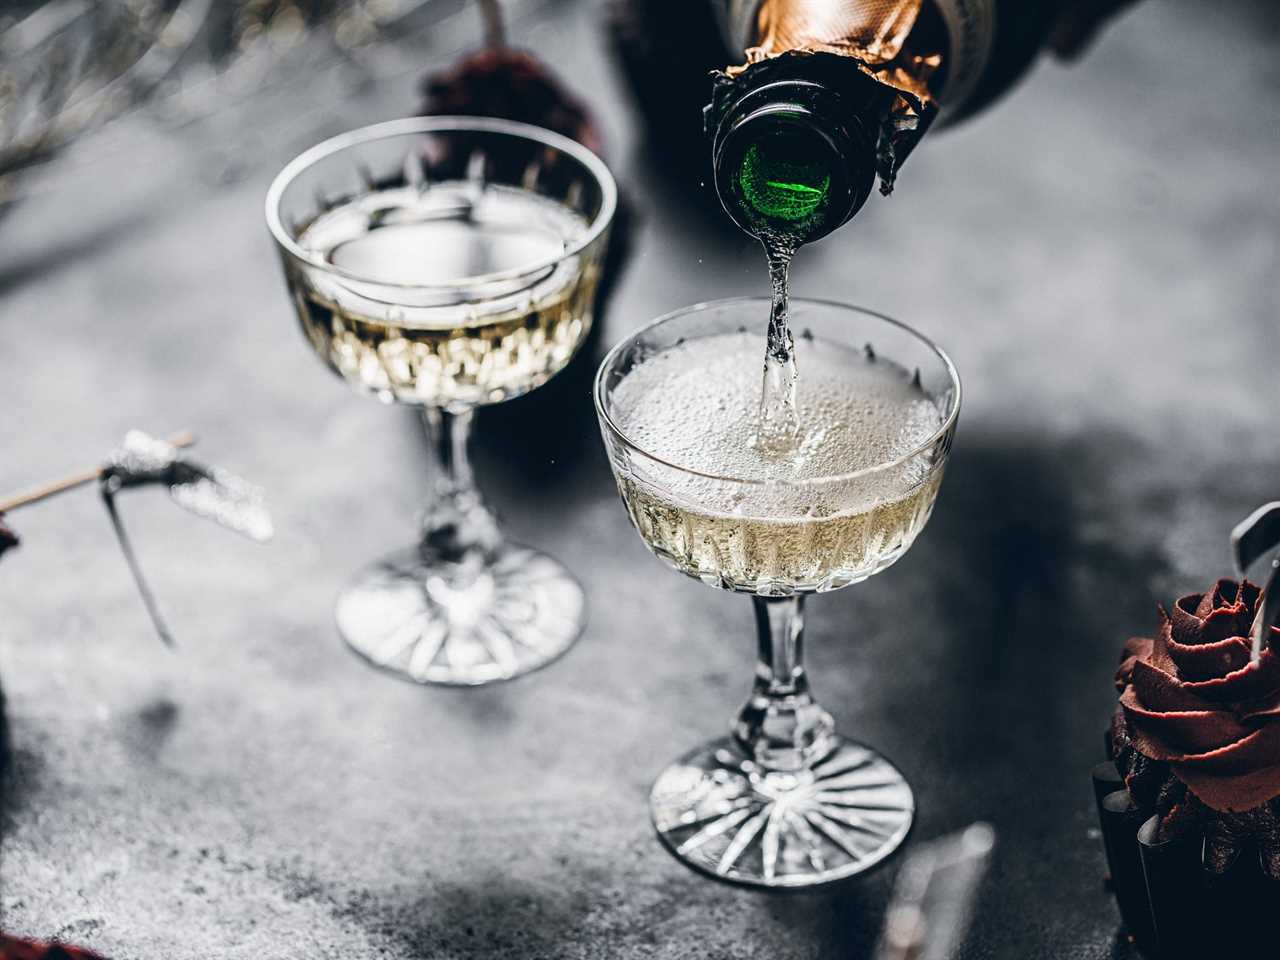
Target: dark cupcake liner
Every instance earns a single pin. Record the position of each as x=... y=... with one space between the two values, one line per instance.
x=1171 y=906
x=1106 y=779
x=1174 y=888
x=1121 y=819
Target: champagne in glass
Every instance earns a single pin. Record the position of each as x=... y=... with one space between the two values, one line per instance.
x=448 y=263
x=694 y=404
x=784 y=801
x=419 y=353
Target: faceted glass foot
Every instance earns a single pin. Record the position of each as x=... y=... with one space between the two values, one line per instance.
x=722 y=814
x=462 y=624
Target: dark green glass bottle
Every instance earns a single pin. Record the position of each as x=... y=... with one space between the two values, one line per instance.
x=795 y=157
x=799 y=137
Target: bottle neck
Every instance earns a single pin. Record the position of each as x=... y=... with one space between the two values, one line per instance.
x=792 y=158
x=985 y=45
x=969 y=34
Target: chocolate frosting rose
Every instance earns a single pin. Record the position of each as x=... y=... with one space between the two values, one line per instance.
x=1197 y=730
x=1192 y=698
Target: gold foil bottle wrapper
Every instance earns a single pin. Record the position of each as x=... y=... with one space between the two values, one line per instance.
x=209 y=492
x=872 y=34
x=872 y=30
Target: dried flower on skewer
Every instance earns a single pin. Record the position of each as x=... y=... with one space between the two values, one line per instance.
x=143 y=460
x=207 y=492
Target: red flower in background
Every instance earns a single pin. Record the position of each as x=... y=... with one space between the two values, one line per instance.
x=499 y=81
x=513 y=85
x=11 y=948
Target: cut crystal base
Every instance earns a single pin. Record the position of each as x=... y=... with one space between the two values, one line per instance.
x=722 y=814
x=462 y=624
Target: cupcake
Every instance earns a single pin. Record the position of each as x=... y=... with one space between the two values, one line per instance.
x=1195 y=742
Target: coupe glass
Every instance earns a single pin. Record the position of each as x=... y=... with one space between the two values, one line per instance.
x=470 y=280
x=783 y=801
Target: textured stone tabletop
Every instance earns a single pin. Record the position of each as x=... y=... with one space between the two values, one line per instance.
x=1100 y=254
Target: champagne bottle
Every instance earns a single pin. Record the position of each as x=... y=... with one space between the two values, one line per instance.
x=836 y=93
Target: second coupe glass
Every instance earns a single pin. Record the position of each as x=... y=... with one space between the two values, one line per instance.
x=448 y=263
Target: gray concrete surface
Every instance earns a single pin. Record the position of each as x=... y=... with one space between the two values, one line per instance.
x=1100 y=254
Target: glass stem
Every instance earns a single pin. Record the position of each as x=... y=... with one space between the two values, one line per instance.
x=781 y=727
x=457 y=527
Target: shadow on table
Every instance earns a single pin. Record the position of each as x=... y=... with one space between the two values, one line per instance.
x=20 y=770
x=6 y=768
x=1039 y=562
x=497 y=918
x=547 y=440
x=1038 y=573
x=844 y=922
x=146 y=729
x=536 y=448
x=1035 y=567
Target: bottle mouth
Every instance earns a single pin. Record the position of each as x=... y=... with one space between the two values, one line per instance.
x=786 y=174
x=788 y=168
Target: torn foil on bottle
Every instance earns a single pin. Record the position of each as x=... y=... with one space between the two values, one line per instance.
x=208 y=492
x=880 y=26
x=871 y=36
x=904 y=117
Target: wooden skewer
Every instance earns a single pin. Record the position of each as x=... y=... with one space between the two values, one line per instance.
x=43 y=491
